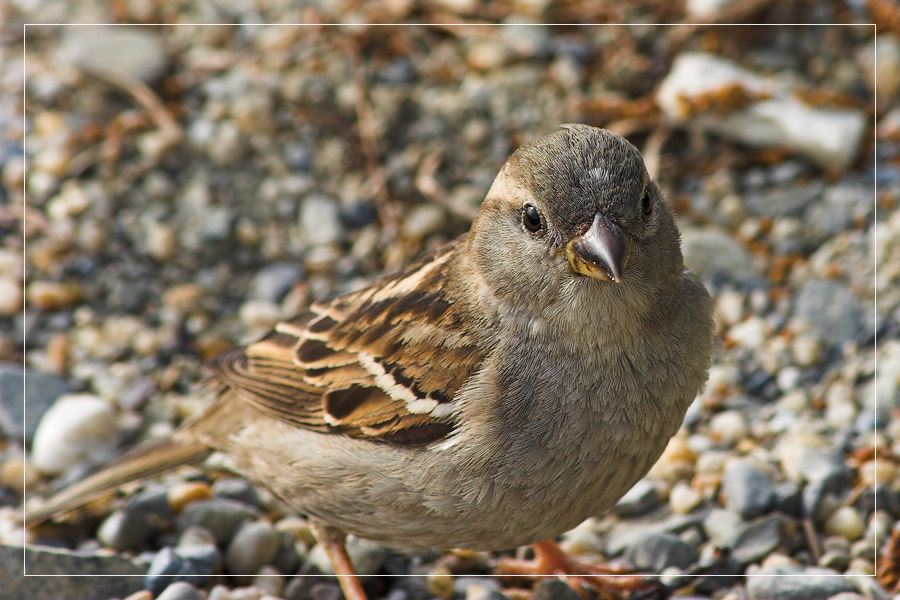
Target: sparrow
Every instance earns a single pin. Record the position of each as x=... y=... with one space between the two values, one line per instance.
x=494 y=393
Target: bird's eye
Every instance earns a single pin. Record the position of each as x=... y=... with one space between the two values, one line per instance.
x=531 y=219
x=647 y=203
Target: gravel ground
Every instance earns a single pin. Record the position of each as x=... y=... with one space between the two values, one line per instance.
x=187 y=186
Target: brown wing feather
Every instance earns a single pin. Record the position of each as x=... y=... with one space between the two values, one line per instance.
x=384 y=363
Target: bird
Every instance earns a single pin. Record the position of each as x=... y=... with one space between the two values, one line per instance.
x=493 y=393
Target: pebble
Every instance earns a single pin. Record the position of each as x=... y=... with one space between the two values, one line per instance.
x=260 y=314
x=723 y=527
x=554 y=589
x=761 y=537
x=274 y=281
x=125 y=530
x=728 y=427
x=845 y=522
x=439 y=582
x=184 y=297
x=367 y=557
x=221 y=516
x=134 y=52
x=746 y=490
x=180 y=590
x=320 y=220
x=750 y=334
x=53 y=295
x=640 y=499
x=423 y=220
x=78 y=429
x=255 y=544
x=39 y=395
x=709 y=252
x=656 y=552
x=683 y=498
x=183 y=494
x=269 y=581
x=194 y=565
x=831 y=309
x=793 y=582
x=10 y=296
x=160 y=241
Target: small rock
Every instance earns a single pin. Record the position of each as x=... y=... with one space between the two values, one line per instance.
x=746 y=490
x=439 y=582
x=423 y=220
x=194 y=565
x=554 y=589
x=159 y=241
x=180 y=590
x=254 y=545
x=10 y=296
x=657 y=552
x=366 y=556
x=831 y=309
x=269 y=580
x=320 y=220
x=728 y=427
x=640 y=499
x=683 y=498
x=708 y=252
x=750 y=334
x=78 y=429
x=183 y=494
x=759 y=538
x=221 y=516
x=723 y=527
x=125 y=530
x=134 y=52
x=845 y=522
x=260 y=314
x=53 y=295
x=793 y=582
x=274 y=281
x=40 y=393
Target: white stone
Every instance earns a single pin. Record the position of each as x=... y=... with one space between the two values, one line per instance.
x=750 y=334
x=728 y=427
x=683 y=498
x=829 y=136
x=78 y=428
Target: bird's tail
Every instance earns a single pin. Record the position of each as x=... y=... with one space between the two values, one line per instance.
x=141 y=463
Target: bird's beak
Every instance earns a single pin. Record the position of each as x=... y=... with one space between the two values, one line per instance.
x=602 y=252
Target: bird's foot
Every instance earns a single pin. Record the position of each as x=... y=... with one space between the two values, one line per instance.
x=609 y=581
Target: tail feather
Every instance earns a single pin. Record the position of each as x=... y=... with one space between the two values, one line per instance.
x=141 y=463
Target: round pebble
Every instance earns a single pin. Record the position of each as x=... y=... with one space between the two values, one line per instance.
x=180 y=590
x=728 y=427
x=746 y=490
x=254 y=545
x=53 y=295
x=683 y=498
x=77 y=429
x=845 y=522
x=10 y=296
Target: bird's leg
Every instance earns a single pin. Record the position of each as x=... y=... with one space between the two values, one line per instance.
x=332 y=541
x=549 y=561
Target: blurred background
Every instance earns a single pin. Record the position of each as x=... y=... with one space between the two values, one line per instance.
x=182 y=187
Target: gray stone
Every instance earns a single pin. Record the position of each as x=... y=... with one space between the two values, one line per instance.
x=286 y=559
x=325 y=591
x=793 y=582
x=747 y=490
x=761 y=537
x=639 y=500
x=255 y=544
x=625 y=534
x=782 y=202
x=320 y=219
x=819 y=464
x=657 y=552
x=221 y=516
x=831 y=309
x=125 y=530
x=554 y=589
x=180 y=590
x=49 y=561
x=134 y=52
x=723 y=527
x=709 y=252
x=25 y=395
x=367 y=557
x=273 y=282
x=194 y=565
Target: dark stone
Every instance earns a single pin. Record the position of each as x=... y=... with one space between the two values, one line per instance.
x=47 y=561
x=24 y=398
x=221 y=516
x=554 y=589
x=194 y=565
x=747 y=490
x=656 y=552
x=763 y=536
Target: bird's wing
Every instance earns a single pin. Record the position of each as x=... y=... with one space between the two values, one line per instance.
x=383 y=363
